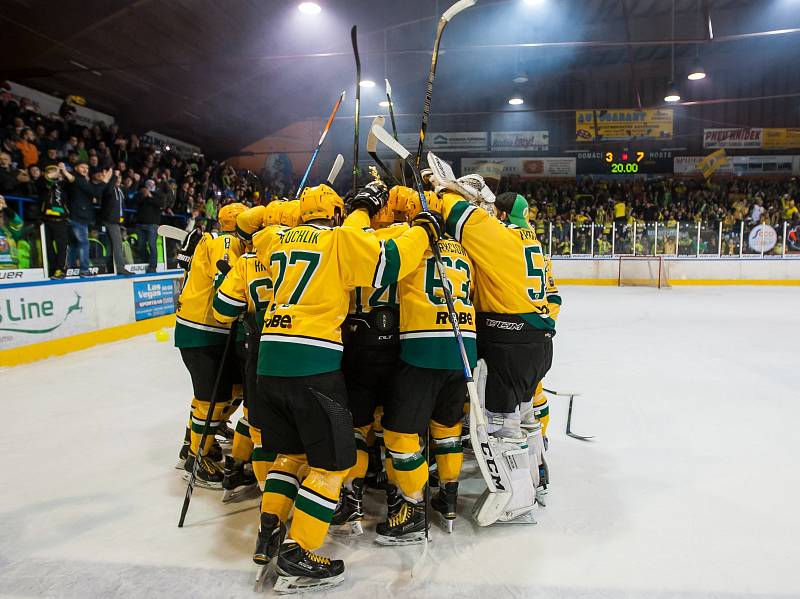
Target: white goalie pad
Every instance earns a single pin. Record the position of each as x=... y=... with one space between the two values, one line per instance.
x=491 y=464
x=515 y=460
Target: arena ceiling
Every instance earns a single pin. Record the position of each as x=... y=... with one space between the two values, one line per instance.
x=223 y=74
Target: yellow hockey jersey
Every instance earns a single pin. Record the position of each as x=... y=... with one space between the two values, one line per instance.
x=314 y=270
x=195 y=324
x=426 y=335
x=510 y=274
x=248 y=286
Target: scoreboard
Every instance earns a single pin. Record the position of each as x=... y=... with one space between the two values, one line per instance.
x=625 y=162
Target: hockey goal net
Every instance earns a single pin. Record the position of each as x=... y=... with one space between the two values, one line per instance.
x=643 y=271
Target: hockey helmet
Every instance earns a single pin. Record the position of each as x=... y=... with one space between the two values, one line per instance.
x=228 y=214
x=272 y=212
x=290 y=213
x=320 y=202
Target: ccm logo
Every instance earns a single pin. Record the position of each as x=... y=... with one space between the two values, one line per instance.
x=284 y=322
x=494 y=471
x=504 y=326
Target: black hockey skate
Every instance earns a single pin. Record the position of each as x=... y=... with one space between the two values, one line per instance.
x=209 y=472
x=184 y=452
x=445 y=504
x=350 y=511
x=271 y=533
x=376 y=474
x=300 y=570
x=224 y=434
x=406 y=527
x=393 y=500
x=238 y=480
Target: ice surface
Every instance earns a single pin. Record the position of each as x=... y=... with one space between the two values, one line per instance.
x=691 y=488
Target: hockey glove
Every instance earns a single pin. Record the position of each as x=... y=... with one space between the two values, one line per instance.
x=372 y=197
x=432 y=222
x=184 y=258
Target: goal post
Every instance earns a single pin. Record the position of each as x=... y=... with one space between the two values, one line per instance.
x=643 y=271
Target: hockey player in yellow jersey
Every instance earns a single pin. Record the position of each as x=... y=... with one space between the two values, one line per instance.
x=302 y=399
x=201 y=340
x=371 y=352
x=428 y=390
x=247 y=288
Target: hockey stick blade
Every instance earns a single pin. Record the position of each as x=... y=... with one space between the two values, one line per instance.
x=372 y=140
x=171 y=232
x=390 y=142
x=569 y=424
x=388 y=88
x=337 y=166
x=457 y=8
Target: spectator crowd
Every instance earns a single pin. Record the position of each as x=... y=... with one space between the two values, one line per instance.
x=85 y=182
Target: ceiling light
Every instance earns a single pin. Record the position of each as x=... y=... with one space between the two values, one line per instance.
x=697 y=72
x=384 y=104
x=309 y=8
x=672 y=95
x=516 y=101
x=367 y=83
x=521 y=77
x=534 y=2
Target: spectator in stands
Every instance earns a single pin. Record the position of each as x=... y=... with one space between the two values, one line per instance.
x=112 y=215
x=149 y=206
x=53 y=208
x=10 y=178
x=82 y=194
x=10 y=233
x=27 y=147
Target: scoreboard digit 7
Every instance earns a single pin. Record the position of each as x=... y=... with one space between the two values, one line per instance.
x=624 y=161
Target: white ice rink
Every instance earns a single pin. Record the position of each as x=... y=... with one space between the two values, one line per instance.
x=691 y=489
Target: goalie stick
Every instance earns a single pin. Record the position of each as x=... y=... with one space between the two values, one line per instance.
x=426 y=109
x=495 y=477
x=171 y=232
x=372 y=150
x=224 y=268
x=319 y=146
x=337 y=166
x=571 y=396
x=354 y=40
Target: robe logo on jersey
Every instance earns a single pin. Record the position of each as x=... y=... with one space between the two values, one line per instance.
x=26 y=316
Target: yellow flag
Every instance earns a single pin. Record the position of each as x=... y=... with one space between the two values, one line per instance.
x=712 y=162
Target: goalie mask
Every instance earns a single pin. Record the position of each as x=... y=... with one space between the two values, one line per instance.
x=480 y=194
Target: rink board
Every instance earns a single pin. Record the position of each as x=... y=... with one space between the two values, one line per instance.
x=38 y=320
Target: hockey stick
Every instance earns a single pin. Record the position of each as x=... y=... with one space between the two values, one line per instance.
x=354 y=39
x=171 y=232
x=391 y=115
x=426 y=109
x=571 y=396
x=214 y=392
x=496 y=479
x=372 y=150
x=337 y=166
x=319 y=145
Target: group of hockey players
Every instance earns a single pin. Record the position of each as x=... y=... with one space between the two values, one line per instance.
x=345 y=356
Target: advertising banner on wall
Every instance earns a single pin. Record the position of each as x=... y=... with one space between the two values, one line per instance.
x=155 y=298
x=525 y=168
x=167 y=143
x=463 y=141
x=623 y=124
x=781 y=139
x=36 y=314
x=510 y=141
x=743 y=137
x=742 y=165
x=762 y=238
x=20 y=275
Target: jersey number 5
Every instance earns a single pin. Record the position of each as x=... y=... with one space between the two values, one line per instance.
x=284 y=260
x=534 y=272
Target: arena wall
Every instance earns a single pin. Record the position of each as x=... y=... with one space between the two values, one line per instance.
x=684 y=271
x=48 y=318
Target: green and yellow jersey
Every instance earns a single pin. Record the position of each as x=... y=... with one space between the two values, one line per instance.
x=315 y=268
x=426 y=335
x=521 y=286
x=247 y=287
x=195 y=324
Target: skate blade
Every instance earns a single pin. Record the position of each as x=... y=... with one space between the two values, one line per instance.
x=263 y=574
x=298 y=584
x=239 y=493
x=348 y=529
x=198 y=482
x=417 y=538
x=447 y=523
